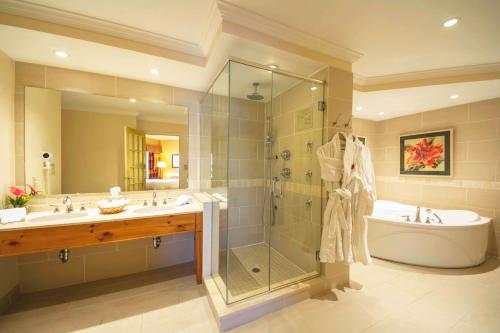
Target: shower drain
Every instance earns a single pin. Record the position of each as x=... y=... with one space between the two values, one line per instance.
x=256 y=270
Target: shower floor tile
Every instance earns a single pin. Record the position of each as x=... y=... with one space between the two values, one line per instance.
x=249 y=270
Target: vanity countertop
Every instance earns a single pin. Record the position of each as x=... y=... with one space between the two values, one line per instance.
x=92 y=215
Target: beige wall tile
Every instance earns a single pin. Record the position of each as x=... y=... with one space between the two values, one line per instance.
x=404 y=192
x=445 y=117
x=483 y=151
x=451 y=195
x=251 y=130
x=387 y=140
x=406 y=124
x=481 y=130
x=19 y=108
x=474 y=171
x=386 y=168
x=494 y=242
x=242 y=196
x=243 y=149
x=109 y=264
x=339 y=111
x=340 y=84
x=171 y=252
x=145 y=91
x=459 y=152
x=187 y=97
x=484 y=198
x=29 y=75
x=70 y=80
x=251 y=169
x=296 y=98
x=51 y=274
x=483 y=110
x=32 y=258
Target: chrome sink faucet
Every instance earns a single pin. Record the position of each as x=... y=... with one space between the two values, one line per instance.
x=69 y=204
x=417 y=215
x=154 y=203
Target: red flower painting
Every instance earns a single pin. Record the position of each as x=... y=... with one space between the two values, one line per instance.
x=424 y=154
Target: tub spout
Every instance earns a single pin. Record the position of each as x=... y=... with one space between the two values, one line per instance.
x=417 y=215
x=430 y=211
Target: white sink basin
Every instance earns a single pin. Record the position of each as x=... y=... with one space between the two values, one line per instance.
x=58 y=217
x=153 y=209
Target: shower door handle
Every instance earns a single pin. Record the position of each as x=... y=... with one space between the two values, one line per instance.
x=279 y=194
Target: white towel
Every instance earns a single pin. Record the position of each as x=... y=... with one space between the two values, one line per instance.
x=12 y=215
x=220 y=197
x=183 y=199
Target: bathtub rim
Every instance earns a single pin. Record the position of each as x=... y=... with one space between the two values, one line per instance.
x=482 y=221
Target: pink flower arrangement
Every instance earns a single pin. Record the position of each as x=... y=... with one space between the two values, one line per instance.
x=19 y=197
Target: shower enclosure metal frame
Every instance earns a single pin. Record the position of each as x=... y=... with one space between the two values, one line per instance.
x=271 y=182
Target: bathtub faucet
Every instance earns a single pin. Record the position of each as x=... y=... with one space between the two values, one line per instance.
x=417 y=215
x=430 y=211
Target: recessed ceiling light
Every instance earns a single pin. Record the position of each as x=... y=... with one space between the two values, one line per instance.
x=454 y=96
x=314 y=88
x=132 y=100
x=381 y=113
x=61 y=54
x=154 y=71
x=272 y=66
x=451 y=22
x=359 y=108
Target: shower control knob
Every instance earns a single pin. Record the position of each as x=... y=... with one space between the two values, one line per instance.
x=309 y=202
x=286 y=154
x=286 y=172
x=308 y=173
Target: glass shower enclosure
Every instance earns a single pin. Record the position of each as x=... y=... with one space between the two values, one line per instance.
x=260 y=129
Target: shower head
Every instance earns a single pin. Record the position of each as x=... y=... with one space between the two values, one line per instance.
x=255 y=96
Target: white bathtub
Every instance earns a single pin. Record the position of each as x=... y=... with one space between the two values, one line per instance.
x=461 y=241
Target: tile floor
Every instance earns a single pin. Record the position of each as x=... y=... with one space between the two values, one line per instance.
x=244 y=282
x=383 y=297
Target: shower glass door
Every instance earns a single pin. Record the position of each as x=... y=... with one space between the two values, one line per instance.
x=260 y=130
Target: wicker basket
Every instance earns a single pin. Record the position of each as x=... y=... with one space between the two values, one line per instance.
x=113 y=210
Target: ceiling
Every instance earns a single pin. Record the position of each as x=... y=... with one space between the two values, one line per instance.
x=390 y=38
x=143 y=110
x=399 y=102
x=395 y=36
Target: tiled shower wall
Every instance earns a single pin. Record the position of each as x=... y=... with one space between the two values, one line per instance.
x=245 y=166
x=475 y=184
x=297 y=229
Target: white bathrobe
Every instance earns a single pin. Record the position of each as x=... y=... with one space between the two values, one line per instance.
x=350 y=182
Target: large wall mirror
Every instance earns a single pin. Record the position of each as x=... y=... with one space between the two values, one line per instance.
x=83 y=143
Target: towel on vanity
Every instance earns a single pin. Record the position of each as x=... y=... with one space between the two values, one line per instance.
x=183 y=199
x=12 y=215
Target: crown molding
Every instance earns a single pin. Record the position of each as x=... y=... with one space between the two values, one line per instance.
x=212 y=30
x=470 y=73
x=250 y=20
x=79 y=21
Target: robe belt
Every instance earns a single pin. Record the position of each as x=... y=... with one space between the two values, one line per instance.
x=342 y=203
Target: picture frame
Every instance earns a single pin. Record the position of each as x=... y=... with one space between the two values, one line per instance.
x=427 y=153
x=175 y=161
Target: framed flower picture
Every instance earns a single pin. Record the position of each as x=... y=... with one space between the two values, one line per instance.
x=426 y=153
